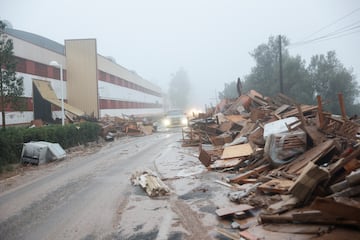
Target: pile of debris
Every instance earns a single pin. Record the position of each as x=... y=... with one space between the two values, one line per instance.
x=112 y=127
x=151 y=183
x=294 y=163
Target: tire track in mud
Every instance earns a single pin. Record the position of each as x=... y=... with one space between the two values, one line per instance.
x=190 y=220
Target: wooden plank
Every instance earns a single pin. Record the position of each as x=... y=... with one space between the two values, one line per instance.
x=257 y=97
x=343 y=161
x=228 y=234
x=320 y=112
x=204 y=158
x=307 y=216
x=312 y=218
x=226 y=126
x=303 y=108
x=248 y=180
x=342 y=105
x=276 y=186
x=224 y=183
x=316 y=136
x=306 y=183
x=221 y=139
x=241 y=150
x=247 y=235
x=233 y=209
x=298 y=228
x=281 y=109
x=339 y=209
x=312 y=155
x=235 y=118
x=238 y=178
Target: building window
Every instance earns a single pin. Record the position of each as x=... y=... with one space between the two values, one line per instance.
x=20 y=65
x=41 y=69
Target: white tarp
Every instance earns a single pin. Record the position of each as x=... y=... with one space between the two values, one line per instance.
x=278 y=126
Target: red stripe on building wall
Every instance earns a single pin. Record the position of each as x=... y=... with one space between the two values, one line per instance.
x=25 y=104
x=106 y=77
x=115 y=104
x=38 y=69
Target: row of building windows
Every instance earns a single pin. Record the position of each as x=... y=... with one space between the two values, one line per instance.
x=26 y=104
x=43 y=70
x=106 y=77
x=115 y=104
x=23 y=104
x=38 y=69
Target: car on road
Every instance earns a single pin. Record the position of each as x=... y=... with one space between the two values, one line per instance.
x=175 y=118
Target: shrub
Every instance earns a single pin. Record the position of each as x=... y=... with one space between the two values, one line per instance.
x=12 y=138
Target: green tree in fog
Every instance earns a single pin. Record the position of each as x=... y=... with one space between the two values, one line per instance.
x=11 y=87
x=179 y=89
x=264 y=76
x=329 y=77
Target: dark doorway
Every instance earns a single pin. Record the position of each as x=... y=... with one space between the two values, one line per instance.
x=42 y=108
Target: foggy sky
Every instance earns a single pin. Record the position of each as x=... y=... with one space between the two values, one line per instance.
x=211 y=40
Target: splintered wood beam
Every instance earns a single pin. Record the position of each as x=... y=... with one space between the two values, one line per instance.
x=342 y=105
x=339 y=209
x=238 y=178
x=320 y=112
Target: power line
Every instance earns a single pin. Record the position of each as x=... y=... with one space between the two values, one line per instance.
x=343 y=35
x=348 y=27
x=334 y=34
x=324 y=39
x=336 y=21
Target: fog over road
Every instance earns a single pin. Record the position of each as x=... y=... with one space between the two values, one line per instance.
x=91 y=196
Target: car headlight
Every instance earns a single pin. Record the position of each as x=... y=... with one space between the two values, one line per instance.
x=166 y=122
x=184 y=121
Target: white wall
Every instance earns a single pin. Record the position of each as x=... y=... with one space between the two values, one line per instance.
x=17 y=117
x=116 y=92
x=28 y=87
x=131 y=111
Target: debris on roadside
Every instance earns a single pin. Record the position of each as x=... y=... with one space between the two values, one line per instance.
x=293 y=163
x=114 y=127
x=151 y=183
x=41 y=152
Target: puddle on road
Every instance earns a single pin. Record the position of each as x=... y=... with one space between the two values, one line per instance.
x=208 y=209
x=199 y=192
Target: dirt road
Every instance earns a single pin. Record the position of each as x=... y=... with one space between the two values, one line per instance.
x=91 y=197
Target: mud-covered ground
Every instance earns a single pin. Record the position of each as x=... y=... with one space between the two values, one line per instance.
x=89 y=195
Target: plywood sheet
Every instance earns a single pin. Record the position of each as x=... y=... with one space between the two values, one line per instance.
x=225 y=163
x=276 y=186
x=235 y=118
x=233 y=209
x=241 y=150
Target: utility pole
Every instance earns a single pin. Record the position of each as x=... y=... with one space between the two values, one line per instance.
x=280 y=63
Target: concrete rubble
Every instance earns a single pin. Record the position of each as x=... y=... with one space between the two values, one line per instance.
x=286 y=164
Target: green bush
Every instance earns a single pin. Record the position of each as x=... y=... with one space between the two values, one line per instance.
x=12 y=138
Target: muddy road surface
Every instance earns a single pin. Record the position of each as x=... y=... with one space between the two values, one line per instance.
x=90 y=196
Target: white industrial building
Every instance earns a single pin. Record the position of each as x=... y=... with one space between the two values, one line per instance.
x=93 y=85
